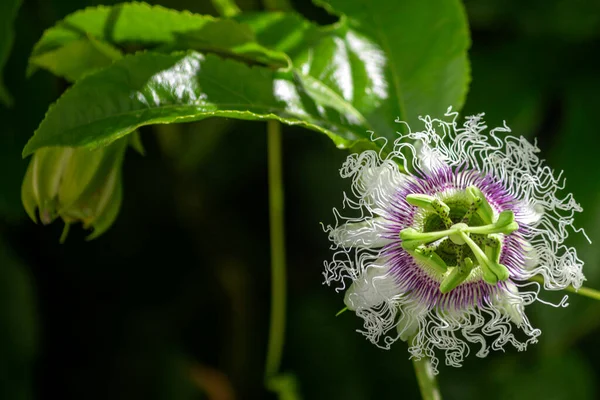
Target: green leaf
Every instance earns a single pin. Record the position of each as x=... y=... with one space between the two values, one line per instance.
x=332 y=62
x=135 y=26
x=385 y=60
x=187 y=150
x=8 y=12
x=424 y=48
x=135 y=142
x=150 y=88
x=77 y=58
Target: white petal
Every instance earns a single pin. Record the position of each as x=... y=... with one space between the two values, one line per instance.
x=531 y=256
x=379 y=184
x=429 y=159
x=366 y=234
x=411 y=316
x=372 y=288
x=510 y=303
x=530 y=214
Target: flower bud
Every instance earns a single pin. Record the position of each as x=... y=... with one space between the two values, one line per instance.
x=76 y=184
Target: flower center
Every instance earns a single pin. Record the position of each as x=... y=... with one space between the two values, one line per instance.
x=459 y=236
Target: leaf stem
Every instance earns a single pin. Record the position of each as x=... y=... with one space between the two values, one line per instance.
x=226 y=8
x=426 y=379
x=278 y=273
x=582 y=291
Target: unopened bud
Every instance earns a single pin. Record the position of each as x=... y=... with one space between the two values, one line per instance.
x=75 y=184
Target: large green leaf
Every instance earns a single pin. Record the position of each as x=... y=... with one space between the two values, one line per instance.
x=386 y=60
x=151 y=88
x=135 y=26
x=8 y=12
x=423 y=45
x=77 y=58
x=332 y=62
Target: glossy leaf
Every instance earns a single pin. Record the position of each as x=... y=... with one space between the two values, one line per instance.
x=386 y=60
x=8 y=12
x=150 y=88
x=332 y=62
x=135 y=26
x=424 y=46
x=77 y=58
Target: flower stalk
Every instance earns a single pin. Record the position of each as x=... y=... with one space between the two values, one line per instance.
x=582 y=291
x=428 y=385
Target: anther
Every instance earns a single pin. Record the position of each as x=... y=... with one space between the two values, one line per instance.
x=430 y=258
x=484 y=210
x=475 y=203
x=505 y=224
x=492 y=269
x=411 y=238
x=457 y=276
x=493 y=251
x=430 y=203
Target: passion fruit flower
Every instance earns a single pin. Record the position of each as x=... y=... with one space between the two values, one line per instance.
x=449 y=228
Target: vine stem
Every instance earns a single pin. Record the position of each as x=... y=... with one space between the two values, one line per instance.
x=426 y=379
x=228 y=8
x=582 y=291
x=278 y=273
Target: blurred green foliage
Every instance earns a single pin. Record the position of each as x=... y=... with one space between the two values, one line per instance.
x=172 y=302
x=19 y=328
x=8 y=12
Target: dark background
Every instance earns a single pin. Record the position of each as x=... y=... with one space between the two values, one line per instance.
x=173 y=301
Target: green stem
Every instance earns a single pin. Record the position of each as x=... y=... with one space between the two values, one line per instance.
x=273 y=381
x=426 y=379
x=277 y=329
x=278 y=296
x=343 y=310
x=226 y=8
x=582 y=291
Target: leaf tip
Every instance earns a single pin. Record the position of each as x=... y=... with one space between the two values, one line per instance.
x=29 y=148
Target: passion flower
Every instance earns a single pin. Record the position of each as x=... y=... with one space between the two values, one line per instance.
x=448 y=229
